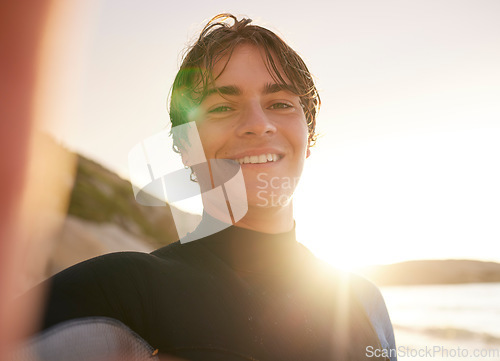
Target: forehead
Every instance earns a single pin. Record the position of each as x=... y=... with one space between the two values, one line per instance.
x=248 y=64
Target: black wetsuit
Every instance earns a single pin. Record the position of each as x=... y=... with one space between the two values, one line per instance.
x=235 y=295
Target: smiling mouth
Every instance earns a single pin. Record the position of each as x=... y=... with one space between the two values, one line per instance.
x=259 y=159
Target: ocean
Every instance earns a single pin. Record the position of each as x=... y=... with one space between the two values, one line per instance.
x=446 y=322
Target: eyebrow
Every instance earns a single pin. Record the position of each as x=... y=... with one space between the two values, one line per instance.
x=275 y=88
x=234 y=90
x=224 y=90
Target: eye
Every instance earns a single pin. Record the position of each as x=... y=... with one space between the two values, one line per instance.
x=220 y=109
x=281 y=105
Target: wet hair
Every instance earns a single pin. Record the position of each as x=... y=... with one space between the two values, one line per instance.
x=219 y=39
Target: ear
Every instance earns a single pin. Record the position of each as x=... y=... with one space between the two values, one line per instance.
x=308 y=151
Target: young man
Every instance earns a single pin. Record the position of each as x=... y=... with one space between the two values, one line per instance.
x=248 y=291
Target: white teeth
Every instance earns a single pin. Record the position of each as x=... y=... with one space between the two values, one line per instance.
x=256 y=159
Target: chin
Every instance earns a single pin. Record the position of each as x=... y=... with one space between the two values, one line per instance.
x=268 y=198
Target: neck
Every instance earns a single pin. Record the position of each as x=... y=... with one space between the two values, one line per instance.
x=267 y=220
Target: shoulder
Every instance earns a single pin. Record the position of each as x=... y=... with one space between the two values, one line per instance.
x=374 y=305
x=172 y=259
x=129 y=259
x=101 y=286
x=369 y=295
x=113 y=284
x=118 y=271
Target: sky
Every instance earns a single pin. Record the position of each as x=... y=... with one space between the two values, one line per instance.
x=408 y=162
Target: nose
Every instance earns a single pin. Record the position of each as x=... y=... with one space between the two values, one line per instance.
x=255 y=122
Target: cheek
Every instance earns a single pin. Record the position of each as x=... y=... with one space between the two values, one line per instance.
x=216 y=138
x=299 y=137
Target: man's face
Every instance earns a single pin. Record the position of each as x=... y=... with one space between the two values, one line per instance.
x=257 y=123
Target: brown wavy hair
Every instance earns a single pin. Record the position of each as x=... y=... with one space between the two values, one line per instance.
x=219 y=39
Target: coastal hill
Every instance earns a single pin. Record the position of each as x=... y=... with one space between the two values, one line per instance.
x=103 y=216
x=428 y=272
x=75 y=209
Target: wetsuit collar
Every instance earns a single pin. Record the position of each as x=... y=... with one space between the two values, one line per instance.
x=247 y=250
